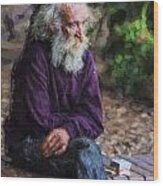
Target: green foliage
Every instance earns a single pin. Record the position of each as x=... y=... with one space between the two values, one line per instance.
x=132 y=66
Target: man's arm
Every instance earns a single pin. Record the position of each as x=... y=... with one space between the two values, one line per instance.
x=36 y=91
x=86 y=120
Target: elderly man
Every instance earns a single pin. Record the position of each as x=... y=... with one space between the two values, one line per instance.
x=56 y=109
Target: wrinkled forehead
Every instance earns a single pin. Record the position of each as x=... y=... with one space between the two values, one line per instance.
x=73 y=12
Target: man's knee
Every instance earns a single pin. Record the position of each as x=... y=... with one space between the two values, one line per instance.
x=89 y=163
x=84 y=144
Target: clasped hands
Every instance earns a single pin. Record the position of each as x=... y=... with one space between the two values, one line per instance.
x=55 y=143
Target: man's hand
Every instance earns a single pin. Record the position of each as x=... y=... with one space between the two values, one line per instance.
x=56 y=142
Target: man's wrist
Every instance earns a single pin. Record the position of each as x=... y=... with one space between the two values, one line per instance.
x=70 y=130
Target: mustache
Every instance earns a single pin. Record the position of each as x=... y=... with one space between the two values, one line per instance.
x=79 y=36
x=77 y=40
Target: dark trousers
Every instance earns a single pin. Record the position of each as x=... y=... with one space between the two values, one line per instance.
x=82 y=159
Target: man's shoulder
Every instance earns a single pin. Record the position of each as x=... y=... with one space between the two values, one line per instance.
x=34 y=54
x=38 y=51
x=38 y=46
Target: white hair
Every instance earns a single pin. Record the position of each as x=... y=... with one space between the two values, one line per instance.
x=41 y=20
x=64 y=52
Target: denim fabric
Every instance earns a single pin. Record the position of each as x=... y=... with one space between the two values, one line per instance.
x=82 y=159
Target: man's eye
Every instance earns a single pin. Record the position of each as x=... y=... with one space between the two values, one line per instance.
x=84 y=22
x=71 y=25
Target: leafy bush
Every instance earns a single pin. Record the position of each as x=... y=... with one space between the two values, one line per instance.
x=132 y=65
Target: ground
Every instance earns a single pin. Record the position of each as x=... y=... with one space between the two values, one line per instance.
x=128 y=124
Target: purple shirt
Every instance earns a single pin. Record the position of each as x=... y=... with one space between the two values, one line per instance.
x=45 y=97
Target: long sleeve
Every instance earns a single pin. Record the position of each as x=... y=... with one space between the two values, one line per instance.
x=37 y=92
x=87 y=118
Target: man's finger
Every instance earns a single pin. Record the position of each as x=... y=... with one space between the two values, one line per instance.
x=52 y=136
x=57 y=146
x=61 y=151
x=50 y=144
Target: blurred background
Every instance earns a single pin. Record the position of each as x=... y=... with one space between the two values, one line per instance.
x=123 y=45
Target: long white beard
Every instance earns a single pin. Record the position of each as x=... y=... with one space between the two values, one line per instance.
x=68 y=53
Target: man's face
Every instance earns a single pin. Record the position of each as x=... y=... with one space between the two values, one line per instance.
x=72 y=24
x=69 y=43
